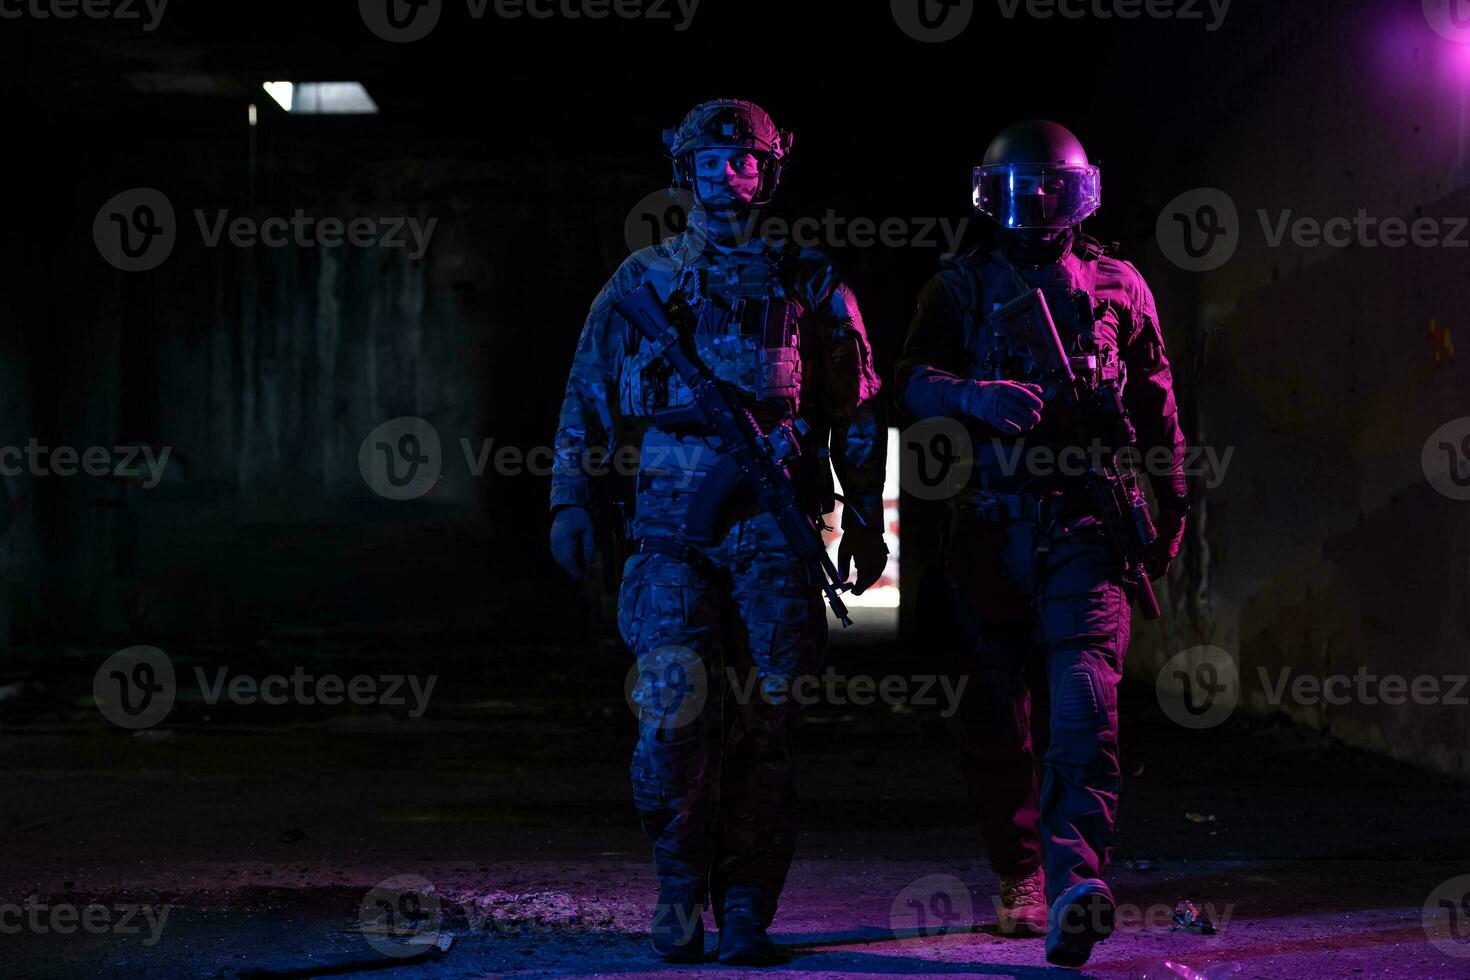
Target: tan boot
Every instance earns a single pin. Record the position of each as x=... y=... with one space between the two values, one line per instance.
x=1022 y=909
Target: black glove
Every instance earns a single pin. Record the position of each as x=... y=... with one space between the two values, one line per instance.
x=867 y=546
x=571 y=540
x=1165 y=549
x=1007 y=406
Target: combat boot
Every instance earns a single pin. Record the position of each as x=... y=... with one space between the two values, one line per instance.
x=677 y=931
x=1081 y=917
x=1022 y=910
x=743 y=938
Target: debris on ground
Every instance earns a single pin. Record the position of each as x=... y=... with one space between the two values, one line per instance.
x=1174 y=970
x=1188 y=916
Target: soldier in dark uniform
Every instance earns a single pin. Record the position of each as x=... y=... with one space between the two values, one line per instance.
x=779 y=324
x=1027 y=563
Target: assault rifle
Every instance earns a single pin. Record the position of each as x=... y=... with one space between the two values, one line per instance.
x=748 y=458
x=1027 y=322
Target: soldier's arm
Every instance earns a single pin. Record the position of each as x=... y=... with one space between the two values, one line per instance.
x=586 y=420
x=932 y=370
x=850 y=387
x=1149 y=398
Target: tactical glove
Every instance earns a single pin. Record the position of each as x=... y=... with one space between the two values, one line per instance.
x=572 y=541
x=870 y=551
x=1165 y=549
x=1006 y=406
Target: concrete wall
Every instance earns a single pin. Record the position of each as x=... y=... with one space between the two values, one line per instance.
x=263 y=370
x=1326 y=550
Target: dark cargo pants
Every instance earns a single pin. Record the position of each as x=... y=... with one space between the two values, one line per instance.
x=1019 y=590
x=712 y=771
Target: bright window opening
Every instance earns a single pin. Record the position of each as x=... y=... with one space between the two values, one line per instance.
x=322 y=98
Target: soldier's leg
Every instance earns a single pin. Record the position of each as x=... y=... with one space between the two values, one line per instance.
x=779 y=635
x=996 y=754
x=668 y=613
x=1085 y=609
x=991 y=625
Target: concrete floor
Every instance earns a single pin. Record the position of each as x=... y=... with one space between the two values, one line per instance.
x=262 y=830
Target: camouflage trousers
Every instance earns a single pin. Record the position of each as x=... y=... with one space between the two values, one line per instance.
x=712 y=767
x=1020 y=591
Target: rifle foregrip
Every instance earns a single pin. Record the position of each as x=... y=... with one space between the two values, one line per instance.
x=1148 y=601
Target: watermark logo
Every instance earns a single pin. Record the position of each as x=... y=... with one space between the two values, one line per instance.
x=1199 y=688
x=136 y=230
x=675 y=922
x=1450 y=19
x=933 y=21
x=896 y=691
x=401 y=21
x=664 y=214
x=937 y=21
x=932 y=906
x=1205 y=464
x=404 y=21
x=330 y=690
x=306 y=231
x=141 y=463
x=1199 y=230
x=1446 y=917
x=135 y=688
x=936 y=458
x=401 y=459
x=667 y=688
x=1446 y=459
x=1180 y=10
x=1363 y=687
x=1207 y=920
x=658 y=217
x=64 y=919
x=401 y=915
x=833 y=230
x=120 y=10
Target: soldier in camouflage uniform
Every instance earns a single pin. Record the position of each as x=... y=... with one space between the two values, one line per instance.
x=1026 y=560
x=713 y=787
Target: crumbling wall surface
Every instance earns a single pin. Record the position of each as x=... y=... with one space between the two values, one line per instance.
x=262 y=370
x=1334 y=547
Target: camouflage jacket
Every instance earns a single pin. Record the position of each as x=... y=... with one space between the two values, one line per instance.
x=775 y=321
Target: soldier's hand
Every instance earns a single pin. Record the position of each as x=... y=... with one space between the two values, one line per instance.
x=868 y=548
x=572 y=540
x=1008 y=406
x=1165 y=549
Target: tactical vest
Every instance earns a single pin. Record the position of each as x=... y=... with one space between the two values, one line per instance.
x=1089 y=328
x=747 y=330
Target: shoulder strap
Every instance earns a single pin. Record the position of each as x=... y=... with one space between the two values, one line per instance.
x=961 y=272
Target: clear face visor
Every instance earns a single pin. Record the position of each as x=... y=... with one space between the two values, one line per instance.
x=1042 y=196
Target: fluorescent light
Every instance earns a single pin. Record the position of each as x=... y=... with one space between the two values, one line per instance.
x=322 y=98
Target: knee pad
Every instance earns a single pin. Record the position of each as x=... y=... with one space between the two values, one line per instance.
x=666 y=765
x=668 y=689
x=1083 y=720
x=1081 y=702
